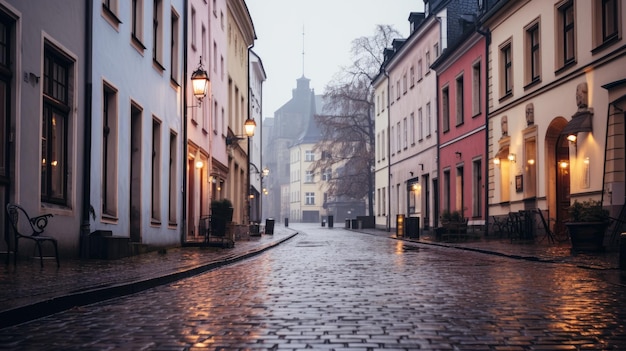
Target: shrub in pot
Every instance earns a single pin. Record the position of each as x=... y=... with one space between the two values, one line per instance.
x=587 y=223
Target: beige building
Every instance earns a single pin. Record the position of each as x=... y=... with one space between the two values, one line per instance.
x=240 y=37
x=557 y=69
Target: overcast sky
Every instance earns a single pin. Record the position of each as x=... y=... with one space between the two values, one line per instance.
x=329 y=28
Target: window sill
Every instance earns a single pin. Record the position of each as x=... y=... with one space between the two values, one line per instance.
x=506 y=96
x=532 y=83
x=605 y=44
x=565 y=67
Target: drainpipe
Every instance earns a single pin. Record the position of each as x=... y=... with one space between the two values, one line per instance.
x=87 y=209
x=183 y=159
x=487 y=34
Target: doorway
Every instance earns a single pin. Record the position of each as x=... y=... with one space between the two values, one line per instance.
x=135 y=174
x=562 y=183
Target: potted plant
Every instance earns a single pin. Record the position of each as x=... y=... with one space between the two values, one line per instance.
x=587 y=223
x=221 y=215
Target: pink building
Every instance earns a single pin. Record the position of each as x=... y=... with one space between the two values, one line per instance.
x=462 y=128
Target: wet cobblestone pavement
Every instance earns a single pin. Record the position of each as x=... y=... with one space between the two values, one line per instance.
x=342 y=290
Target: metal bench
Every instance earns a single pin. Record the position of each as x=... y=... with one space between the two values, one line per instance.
x=25 y=227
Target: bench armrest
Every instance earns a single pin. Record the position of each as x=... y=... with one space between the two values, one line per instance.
x=39 y=223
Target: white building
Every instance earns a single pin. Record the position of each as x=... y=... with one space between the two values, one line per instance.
x=137 y=108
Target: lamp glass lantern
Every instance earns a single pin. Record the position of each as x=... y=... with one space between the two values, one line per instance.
x=249 y=127
x=200 y=82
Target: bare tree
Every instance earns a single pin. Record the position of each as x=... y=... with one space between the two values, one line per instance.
x=347 y=120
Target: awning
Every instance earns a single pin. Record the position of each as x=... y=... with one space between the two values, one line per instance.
x=581 y=122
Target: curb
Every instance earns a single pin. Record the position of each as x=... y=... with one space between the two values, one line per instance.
x=65 y=302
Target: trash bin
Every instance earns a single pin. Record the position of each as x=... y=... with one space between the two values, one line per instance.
x=330 y=221
x=347 y=223
x=323 y=222
x=355 y=224
x=269 y=226
x=286 y=222
x=413 y=227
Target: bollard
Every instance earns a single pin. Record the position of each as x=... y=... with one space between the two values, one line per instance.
x=286 y=222
x=622 y=252
x=330 y=221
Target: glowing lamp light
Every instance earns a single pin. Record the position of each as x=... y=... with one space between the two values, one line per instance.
x=563 y=164
x=572 y=138
x=199 y=164
x=249 y=127
x=496 y=161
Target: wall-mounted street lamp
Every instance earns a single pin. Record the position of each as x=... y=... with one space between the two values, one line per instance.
x=248 y=128
x=200 y=82
x=512 y=158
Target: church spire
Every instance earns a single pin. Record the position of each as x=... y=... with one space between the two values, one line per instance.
x=303 y=50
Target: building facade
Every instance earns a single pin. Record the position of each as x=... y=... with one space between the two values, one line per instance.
x=549 y=154
x=461 y=125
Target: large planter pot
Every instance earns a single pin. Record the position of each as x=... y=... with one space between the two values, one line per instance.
x=220 y=217
x=587 y=236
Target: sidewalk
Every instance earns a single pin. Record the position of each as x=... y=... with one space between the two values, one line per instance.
x=542 y=251
x=28 y=292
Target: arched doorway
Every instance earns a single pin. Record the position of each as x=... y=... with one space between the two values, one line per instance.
x=557 y=173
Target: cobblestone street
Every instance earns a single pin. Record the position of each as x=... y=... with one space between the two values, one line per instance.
x=342 y=290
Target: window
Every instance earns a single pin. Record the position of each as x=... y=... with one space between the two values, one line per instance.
x=309 y=198
x=382 y=144
x=476 y=88
x=384 y=102
x=533 y=54
x=57 y=106
x=399 y=136
x=420 y=73
x=155 y=192
x=405 y=134
x=428 y=120
x=445 y=109
x=308 y=177
x=404 y=84
x=427 y=62
x=309 y=156
x=398 y=89
x=420 y=124
x=215 y=57
x=566 y=37
x=412 y=76
x=137 y=21
x=157 y=33
x=327 y=174
x=506 y=70
x=412 y=127
x=174 y=49
x=109 y=151
x=110 y=10
x=610 y=19
x=172 y=179
x=606 y=22
x=436 y=49
x=193 y=28
x=460 y=118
